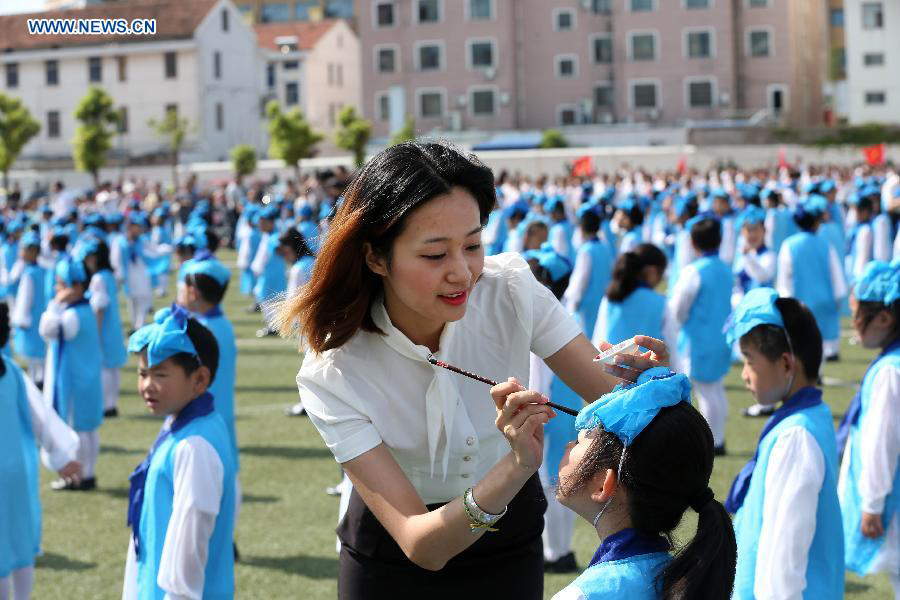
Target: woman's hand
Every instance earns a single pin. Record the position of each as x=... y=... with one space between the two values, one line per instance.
x=521 y=415
x=871 y=526
x=629 y=366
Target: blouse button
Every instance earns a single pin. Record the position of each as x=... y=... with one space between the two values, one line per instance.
x=470 y=441
x=467 y=458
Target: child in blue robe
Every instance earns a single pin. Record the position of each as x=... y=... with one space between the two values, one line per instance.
x=9 y=254
x=678 y=239
x=28 y=308
x=187 y=481
x=268 y=265
x=561 y=231
x=297 y=254
x=591 y=273
x=786 y=513
x=869 y=483
x=59 y=245
x=72 y=384
x=721 y=206
x=627 y=222
x=643 y=456
x=859 y=240
x=161 y=234
x=779 y=222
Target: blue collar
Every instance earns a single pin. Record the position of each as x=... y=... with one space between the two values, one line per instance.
x=806 y=397
x=710 y=254
x=627 y=543
x=851 y=417
x=200 y=406
x=215 y=311
x=761 y=250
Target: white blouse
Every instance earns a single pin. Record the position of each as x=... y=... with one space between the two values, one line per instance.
x=381 y=389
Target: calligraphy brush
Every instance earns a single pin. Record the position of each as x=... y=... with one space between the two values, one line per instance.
x=491 y=382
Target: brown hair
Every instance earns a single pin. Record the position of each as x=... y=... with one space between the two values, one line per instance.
x=336 y=302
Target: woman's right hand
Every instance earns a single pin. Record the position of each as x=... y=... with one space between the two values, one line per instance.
x=521 y=416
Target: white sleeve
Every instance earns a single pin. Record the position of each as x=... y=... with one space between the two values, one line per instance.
x=262 y=256
x=728 y=245
x=16 y=271
x=670 y=337
x=50 y=320
x=838 y=282
x=58 y=442
x=684 y=293
x=794 y=478
x=115 y=258
x=295 y=276
x=784 y=280
x=198 y=481
x=863 y=250
x=581 y=276
x=243 y=257
x=151 y=249
x=879 y=446
x=601 y=326
x=761 y=267
x=99 y=294
x=21 y=312
x=881 y=238
x=558 y=241
x=570 y=592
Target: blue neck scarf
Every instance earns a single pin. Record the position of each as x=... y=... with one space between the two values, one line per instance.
x=851 y=417
x=806 y=397
x=627 y=543
x=215 y=311
x=200 y=406
x=710 y=253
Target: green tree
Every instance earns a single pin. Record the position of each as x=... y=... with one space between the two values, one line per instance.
x=353 y=134
x=16 y=127
x=243 y=157
x=93 y=137
x=407 y=133
x=173 y=129
x=292 y=137
x=552 y=138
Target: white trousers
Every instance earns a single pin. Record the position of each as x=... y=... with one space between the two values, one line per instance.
x=36 y=369
x=830 y=348
x=20 y=581
x=88 y=451
x=139 y=307
x=559 y=525
x=110 y=380
x=713 y=406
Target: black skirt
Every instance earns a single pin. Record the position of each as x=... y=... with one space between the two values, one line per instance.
x=502 y=564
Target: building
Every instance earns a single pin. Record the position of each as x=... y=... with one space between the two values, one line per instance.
x=202 y=62
x=314 y=66
x=873 y=60
x=534 y=64
x=836 y=100
x=283 y=11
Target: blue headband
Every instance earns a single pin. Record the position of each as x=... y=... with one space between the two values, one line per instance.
x=757 y=307
x=70 y=271
x=30 y=239
x=270 y=212
x=556 y=264
x=138 y=218
x=85 y=247
x=704 y=216
x=165 y=337
x=752 y=215
x=209 y=267
x=628 y=409
x=554 y=203
x=879 y=282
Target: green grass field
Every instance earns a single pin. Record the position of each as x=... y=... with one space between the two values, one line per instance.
x=286 y=530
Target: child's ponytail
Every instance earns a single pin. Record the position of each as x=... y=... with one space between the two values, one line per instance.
x=628 y=269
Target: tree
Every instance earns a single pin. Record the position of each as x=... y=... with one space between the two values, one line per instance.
x=353 y=134
x=93 y=137
x=407 y=133
x=173 y=129
x=292 y=137
x=16 y=128
x=243 y=157
x=552 y=138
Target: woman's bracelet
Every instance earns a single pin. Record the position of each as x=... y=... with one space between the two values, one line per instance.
x=478 y=518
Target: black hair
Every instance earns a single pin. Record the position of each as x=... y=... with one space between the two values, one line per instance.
x=212 y=241
x=102 y=254
x=589 y=222
x=865 y=204
x=626 y=275
x=207 y=351
x=802 y=332
x=867 y=310
x=706 y=234
x=543 y=276
x=665 y=470
x=806 y=221
x=209 y=289
x=635 y=214
x=294 y=239
x=59 y=242
x=4 y=333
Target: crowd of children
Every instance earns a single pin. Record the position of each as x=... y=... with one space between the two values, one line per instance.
x=760 y=266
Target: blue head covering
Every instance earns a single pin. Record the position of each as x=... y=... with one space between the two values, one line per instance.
x=826 y=186
x=553 y=203
x=138 y=218
x=115 y=218
x=587 y=207
x=30 y=239
x=269 y=212
x=187 y=239
x=628 y=409
x=71 y=271
x=706 y=215
x=752 y=215
x=628 y=203
x=556 y=264
x=163 y=338
x=86 y=246
x=814 y=204
x=210 y=267
x=519 y=208
x=879 y=282
x=93 y=220
x=305 y=211
x=160 y=212
x=757 y=307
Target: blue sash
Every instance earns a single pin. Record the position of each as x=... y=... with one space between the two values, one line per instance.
x=627 y=543
x=57 y=379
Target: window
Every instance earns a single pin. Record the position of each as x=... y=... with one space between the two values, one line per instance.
x=217 y=64
x=873 y=15
x=757 y=3
x=873 y=59
x=429 y=56
x=386 y=59
x=758 y=43
x=339 y=9
x=53 y=124
x=51 y=72
x=302 y=10
x=290 y=65
x=171 y=65
x=483 y=103
x=563 y=20
x=567 y=66
x=481 y=10
x=122 y=67
x=568 y=115
x=602 y=49
x=643 y=46
x=643 y=95
x=270 y=75
x=640 y=5
x=331 y=112
x=171 y=108
x=428 y=11
x=836 y=17
x=95 y=69
x=603 y=96
x=291 y=93
x=274 y=12
x=431 y=105
x=696 y=4
x=339 y=75
x=601 y=7
x=699 y=44
x=700 y=94
x=122 y=125
x=384 y=14
x=383 y=107
x=224 y=19
x=481 y=54
x=12 y=75
x=220 y=116
x=876 y=97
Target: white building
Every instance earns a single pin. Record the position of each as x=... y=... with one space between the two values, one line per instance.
x=202 y=62
x=872 y=30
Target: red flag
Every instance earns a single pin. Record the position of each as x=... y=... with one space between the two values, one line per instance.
x=682 y=165
x=874 y=154
x=583 y=167
x=782 y=158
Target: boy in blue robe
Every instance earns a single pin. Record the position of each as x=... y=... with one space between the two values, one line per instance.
x=268 y=264
x=591 y=273
x=627 y=222
x=561 y=231
x=28 y=308
x=181 y=498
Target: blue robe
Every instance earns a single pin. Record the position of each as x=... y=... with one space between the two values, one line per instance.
x=701 y=338
x=77 y=391
x=248 y=277
x=273 y=280
x=112 y=342
x=601 y=272
x=641 y=313
x=222 y=387
x=28 y=340
x=812 y=280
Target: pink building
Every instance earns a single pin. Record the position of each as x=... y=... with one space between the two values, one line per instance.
x=533 y=64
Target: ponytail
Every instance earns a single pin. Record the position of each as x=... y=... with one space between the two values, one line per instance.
x=628 y=269
x=4 y=333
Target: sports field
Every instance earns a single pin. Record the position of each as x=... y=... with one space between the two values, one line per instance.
x=286 y=530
